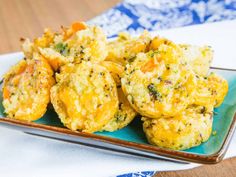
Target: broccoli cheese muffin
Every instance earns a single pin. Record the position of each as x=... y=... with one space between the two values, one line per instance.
x=125 y=48
x=86 y=98
x=26 y=89
x=211 y=90
x=159 y=83
x=199 y=58
x=123 y=116
x=192 y=127
x=78 y=43
x=125 y=113
x=29 y=48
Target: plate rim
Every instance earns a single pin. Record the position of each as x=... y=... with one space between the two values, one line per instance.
x=159 y=152
x=154 y=150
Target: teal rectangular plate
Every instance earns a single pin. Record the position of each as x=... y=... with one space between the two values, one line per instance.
x=131 y=139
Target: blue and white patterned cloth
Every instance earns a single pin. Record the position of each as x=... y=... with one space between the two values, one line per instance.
x=136 y=15
x=139 y=174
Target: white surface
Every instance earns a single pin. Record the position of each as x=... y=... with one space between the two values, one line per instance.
x=29 y=156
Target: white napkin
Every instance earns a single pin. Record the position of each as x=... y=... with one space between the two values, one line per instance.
x=31 y=156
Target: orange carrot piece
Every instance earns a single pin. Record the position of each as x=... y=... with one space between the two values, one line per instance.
x=78 y=26
x=149 y=66
x=6 y=93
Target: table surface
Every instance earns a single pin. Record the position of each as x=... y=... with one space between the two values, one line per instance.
x=28 y=18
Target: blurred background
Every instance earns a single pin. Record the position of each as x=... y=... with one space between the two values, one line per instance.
x=28 y=18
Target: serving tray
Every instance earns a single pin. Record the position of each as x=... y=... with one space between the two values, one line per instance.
x=131 y=139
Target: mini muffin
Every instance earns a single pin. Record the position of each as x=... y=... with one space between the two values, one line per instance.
x=159 y=83
x=125 y=48
x=211 y=90
x=29 y=48
x=85 y=99
x=26 y=89
x=78 y=43
x=200 y=58
x=192 y=127
x=125 y=113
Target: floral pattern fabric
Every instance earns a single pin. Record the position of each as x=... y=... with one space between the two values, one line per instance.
x=136 y=15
